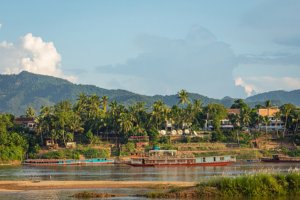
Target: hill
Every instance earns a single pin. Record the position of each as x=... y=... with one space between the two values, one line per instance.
x=277 y=97
x=18 y=92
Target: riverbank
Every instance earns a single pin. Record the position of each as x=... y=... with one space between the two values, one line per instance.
x=42 y=185
x=258 y=186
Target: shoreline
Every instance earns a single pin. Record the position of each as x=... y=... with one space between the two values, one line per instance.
x=14 y=186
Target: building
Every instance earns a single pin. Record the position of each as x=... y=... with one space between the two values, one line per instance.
x=274 y=124
x=26 y=122
x=269 y=112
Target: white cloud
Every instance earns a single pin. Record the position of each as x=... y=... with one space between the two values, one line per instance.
x=33 y=55
x=198 y=63
x=259 y=84
x=249 y=88
x=0 y=26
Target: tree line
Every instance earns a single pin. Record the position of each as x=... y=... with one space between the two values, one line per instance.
x=91 y=116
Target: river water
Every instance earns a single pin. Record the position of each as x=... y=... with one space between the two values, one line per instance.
x=124 y=173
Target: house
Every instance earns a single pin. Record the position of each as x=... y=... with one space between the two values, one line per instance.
x=269 y=112
x=26 y=122
x=233 y=111
x=274 y=123
x=226 y=123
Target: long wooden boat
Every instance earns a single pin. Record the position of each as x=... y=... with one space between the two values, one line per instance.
x=280 y=158
x=62 y=162
x=170 y=158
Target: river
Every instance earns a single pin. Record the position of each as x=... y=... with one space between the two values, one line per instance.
x=124 y=173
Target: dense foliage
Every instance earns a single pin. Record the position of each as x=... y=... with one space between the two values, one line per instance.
x=12 y=144
x=91 y=117
x=257 y=186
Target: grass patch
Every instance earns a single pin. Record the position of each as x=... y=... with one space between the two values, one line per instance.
x=258 y=186
x=88 y=195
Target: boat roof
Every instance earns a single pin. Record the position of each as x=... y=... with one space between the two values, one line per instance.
x=163 y=151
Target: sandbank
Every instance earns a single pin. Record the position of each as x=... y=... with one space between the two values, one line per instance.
x=42 y=185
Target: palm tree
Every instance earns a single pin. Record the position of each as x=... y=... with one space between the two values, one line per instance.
x=30 y=112
x=266 y=121
x=125 y=121
x=45 y=122
x=175 y=116
x=104 y=103
x=234 y=120
x=139 y=114
x=277 y=117
x=268 y=104
x=183 y=97
x=245 y=116
x=159 y=113
x=296 y=119
x=286 y=110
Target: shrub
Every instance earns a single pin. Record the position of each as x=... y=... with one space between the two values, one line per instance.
x=259 y=185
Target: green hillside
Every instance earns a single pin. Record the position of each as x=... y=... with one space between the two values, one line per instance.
x=17 y=92
x=277 y=97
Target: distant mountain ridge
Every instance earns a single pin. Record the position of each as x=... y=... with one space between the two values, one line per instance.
x=17 y=92
x=278 y=96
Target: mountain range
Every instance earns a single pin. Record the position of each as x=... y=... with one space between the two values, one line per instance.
x=18 y=92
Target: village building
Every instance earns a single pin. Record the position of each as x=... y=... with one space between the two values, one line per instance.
x=26 y=122
x=226 y=123
x=274 y=123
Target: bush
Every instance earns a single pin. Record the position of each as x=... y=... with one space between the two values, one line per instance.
x=95 y=153
x=217 y=136
x=259 y=185
x=294 y=153
x=127 y=149
x=8 y=153
x=164 y=139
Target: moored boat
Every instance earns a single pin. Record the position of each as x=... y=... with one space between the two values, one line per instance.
x=62 y=162
x=170 y=158
x=280 y=158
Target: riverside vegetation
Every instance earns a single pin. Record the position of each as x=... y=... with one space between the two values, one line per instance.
x=257 y=186
x=91 y=119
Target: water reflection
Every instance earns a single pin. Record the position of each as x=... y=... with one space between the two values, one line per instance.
x=128 y=173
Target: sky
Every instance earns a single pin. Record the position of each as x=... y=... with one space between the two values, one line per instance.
x=214 y=48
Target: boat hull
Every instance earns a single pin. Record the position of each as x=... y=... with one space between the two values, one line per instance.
x=183 y=164
x=280 y=161
x=52 y=162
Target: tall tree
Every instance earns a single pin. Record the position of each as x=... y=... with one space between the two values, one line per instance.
x=286 y=110
x=215 y=113
x=268 y=104
x=277 y=118
x=159 y=114
x=104 y=103
x=183 y=97
x=30 y=112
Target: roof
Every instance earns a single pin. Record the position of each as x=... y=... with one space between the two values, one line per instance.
x=269 y=112
x=236 y=111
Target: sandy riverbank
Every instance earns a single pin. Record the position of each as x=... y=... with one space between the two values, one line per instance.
x=41 y=185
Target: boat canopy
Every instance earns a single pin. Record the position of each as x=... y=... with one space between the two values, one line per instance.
x=162 y=152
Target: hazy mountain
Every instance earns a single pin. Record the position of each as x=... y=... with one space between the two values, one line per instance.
x=17 y=92
x=277 y=97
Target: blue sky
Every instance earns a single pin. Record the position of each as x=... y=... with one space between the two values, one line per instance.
x=215 y=48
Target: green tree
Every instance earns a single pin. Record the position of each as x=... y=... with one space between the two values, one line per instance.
x=286 y=110
x=159 y=114
x=215 y=113
x=183 y=97
x=30 y=112
x=104 y=101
